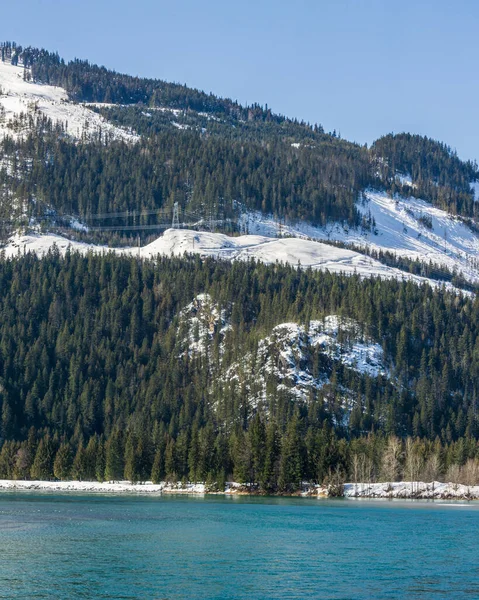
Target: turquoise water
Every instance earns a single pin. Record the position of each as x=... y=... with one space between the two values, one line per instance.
x=54 y=546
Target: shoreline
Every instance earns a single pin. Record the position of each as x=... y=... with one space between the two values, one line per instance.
x=388 y=490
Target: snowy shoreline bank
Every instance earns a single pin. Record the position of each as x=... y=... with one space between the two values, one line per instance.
x=390 y=490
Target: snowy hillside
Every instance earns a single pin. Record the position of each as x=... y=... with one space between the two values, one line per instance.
x=408 y=227
x=294 y=359
x=285 y=358
x=18 y=96
x=176 y=242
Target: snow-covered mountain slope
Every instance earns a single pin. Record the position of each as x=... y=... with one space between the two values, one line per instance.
x=407 y=227
x=293 y=359
x=176 y=242
x=18 y=96
x=284 y=358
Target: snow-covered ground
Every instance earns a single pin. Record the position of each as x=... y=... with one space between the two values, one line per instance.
x=176 y=242
x=412 y=489
x=18 y=96
x=399 y=228
x=398 y=490
x=107 y=487
x=40 y=244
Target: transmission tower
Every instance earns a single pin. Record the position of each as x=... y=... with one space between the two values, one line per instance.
x=175 y=224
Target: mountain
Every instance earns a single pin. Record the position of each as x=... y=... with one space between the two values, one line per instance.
x=308 y=299
x=224 y=164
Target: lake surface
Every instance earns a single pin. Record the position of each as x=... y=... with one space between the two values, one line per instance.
x=73 y=546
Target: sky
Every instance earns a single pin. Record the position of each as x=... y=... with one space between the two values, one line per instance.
x=362 y=67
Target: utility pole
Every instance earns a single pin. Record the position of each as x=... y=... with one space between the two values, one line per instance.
x=175 y=224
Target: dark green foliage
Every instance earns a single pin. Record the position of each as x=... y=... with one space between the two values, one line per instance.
x=42 y=467
x=96 y=381
x=62 y=467
x=224 y=156
x=208 y=175
x=436 y=171
x=89 y=392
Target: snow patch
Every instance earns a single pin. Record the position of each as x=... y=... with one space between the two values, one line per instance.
x=405 y=179
x=181 y=126
x=176 y=242
x=202 y=318
x=19 y=96
x=77 y=225
x=107 y=487
x=407 y=227
x=412 y=489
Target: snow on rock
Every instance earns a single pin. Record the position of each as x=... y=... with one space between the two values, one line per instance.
x=357 y=352
x=176 y=242
x=201 y=319
x=18 y=96
x=284 y=357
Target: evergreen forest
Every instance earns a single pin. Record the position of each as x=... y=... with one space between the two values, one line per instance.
x=98 y=381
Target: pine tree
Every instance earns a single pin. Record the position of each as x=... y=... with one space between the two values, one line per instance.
x=79 y=468
x=269 y=477
x=257 y=442
x=170 y=461
x=114 y=465
x=131 y=463
x=63 y=463
x=157 y=471
x=100 y=461
x=42 y=467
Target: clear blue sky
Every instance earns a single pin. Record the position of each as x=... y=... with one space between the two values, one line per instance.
x=362 y=67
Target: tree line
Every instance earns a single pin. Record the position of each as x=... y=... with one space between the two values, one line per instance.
x=261 y=456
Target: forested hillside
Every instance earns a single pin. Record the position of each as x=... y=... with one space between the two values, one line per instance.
x=93 y=351
x=211 y=155
x=437 y=174
x=205 y=174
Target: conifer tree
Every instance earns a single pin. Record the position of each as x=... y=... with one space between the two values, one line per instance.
x=42 y=467
x=114 y=463
x=63 y=463
x=157 y=471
